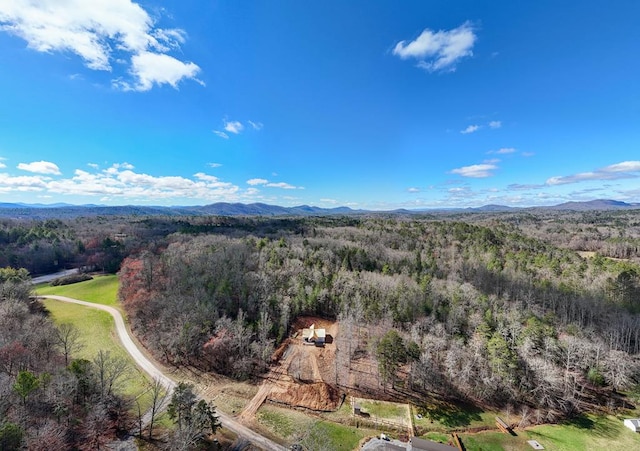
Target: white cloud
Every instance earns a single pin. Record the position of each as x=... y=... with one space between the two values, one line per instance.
x=40 y=167
x=256 y=125
x=528 y=154
x=254 y=182
x=625 y=166
x=470 y=129
x=283 y=185
x=476 y=170
x=413 y=190
x=623 y=170
x=267 y=183
x=22 y=183
x=495 y=124
x=221 y=134
x=503 y=151
x=2 y=165
x=440 y=50
x=234 y=127
x=214 y=165
x=329 y=201
x=101 y=32
x=117 y=183
x=93 y=165
x=150 y=69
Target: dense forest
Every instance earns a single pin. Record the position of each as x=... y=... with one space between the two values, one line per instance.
x=483 y=309
x=537 y=309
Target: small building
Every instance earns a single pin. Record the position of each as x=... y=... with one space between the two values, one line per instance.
x=633 y=424
x=419 y=444
x=315 y=336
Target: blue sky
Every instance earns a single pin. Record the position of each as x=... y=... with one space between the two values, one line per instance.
x=369 y=104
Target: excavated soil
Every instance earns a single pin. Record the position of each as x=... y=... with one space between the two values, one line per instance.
x=303 y=373
x=317 y=396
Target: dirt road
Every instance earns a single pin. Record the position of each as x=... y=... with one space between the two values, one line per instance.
x=152 y=370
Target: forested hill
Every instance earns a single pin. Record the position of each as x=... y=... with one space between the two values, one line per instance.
x=476 y=311
x=60 y=211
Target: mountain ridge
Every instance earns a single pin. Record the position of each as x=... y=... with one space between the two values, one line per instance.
x=262 y=209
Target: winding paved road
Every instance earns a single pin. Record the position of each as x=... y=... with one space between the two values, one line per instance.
x=152 y=370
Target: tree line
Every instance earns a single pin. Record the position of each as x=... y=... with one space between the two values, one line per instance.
x=486 y=312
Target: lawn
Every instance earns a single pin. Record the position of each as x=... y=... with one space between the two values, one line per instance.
x=589 y=432
x=96 y=327
x=100 y=290
x=392 y=411
x=296 y=427
x=438 y=416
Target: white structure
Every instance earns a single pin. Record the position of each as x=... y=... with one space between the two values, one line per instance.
x=633 y=424
x=314 y=336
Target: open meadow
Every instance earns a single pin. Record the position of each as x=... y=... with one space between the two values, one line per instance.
x=97 y=328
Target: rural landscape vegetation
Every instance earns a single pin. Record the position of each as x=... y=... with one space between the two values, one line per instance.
x=437 y=323
x=319 y=225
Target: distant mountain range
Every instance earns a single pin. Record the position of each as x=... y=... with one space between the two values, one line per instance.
x=259 y=209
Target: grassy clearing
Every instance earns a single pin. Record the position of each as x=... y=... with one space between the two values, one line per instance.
x=390 y=411
x=336 y=436
x=295 y=427
x=438 y=437
x=99 y=290
x=97 y=330
x=443 y=417
x=589 y=432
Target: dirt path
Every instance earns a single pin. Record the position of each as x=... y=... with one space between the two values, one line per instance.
x=152 y=370
x=272 y=377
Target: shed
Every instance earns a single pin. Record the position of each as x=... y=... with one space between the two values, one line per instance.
x=311 y=335
x=633 y=424
x=419 y=444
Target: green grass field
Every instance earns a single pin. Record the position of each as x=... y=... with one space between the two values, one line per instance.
x=589 y=432
x=100 y=290
x=390 y=411
x=96 y=327
x=296 y=427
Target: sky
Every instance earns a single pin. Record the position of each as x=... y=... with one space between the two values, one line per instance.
x=367 y=104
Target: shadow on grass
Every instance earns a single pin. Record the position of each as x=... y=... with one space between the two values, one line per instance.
x=602 y=426
x=581 y=422
x=451 y=415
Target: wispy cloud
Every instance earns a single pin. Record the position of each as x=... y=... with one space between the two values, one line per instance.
x=623 y=170
x=102 y=32
x=413 y=189
x=283 y=185
x=495 y=124
x=234 y=127
x=523 y=187
x=254 y=182
x=470 y=129
x=503 y=151
x=267 y=183
x=439 y=50
x=40 y=167
x=214 y=165
x=256 y=125
x=476 y=171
